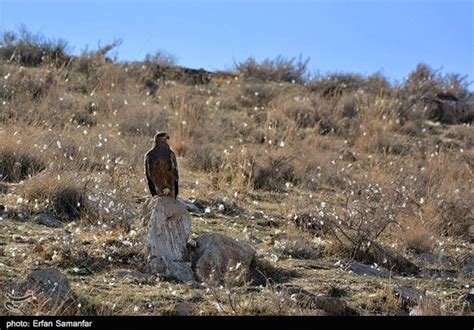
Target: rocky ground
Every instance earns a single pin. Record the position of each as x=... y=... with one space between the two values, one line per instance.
x=105 y=272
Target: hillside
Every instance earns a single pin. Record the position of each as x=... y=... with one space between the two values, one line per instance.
x=319 y=176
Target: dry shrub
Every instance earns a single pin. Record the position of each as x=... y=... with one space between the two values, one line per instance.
x=418 y=239
x=368 y=210
x=205 y=157
x=427 y=94
x=279 y=69
x=295 y=246
x=18 y=160
x=463 y=133
x=63 y=194
x=302 y=113
x=16 y=165
x=335 y=85
x=71 y=196
x=274 y=172
x=28 y=49
x=256 y=95
x=142 y=121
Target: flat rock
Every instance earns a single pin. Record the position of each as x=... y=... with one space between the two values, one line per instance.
x=218 y=259
x=48 y=220
x=410 y=296
x=366 y=270
x=189 y=206
x=434 y=259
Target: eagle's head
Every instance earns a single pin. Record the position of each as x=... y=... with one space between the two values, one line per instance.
x=161 y=137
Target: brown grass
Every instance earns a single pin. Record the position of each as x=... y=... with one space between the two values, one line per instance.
x=75 y=136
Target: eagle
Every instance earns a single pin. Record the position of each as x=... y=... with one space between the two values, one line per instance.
x=161 y=168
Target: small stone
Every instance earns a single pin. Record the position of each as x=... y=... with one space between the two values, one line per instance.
x=365 y=270
x=48 y=220
x=182 y=309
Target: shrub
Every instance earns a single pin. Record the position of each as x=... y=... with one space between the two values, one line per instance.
x=427 y=94
x=337 y=84
x=278 y=69
x=161 y=58
x=205 y=157
x=274 y=173
x=72 y=196
x=62 y=194
x=18 y=161
x=16 y=165
x=28 y=49
x=256 y=96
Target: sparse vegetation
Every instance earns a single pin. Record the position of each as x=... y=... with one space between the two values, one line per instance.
x=314 y=174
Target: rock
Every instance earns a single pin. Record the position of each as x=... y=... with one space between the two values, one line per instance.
x=469 y=266
x=470 y=297
x=434 y=259
x=51 y=289
x=167 y=226
x=190 y=207
x=409 y=296
x=177 y=270
x=182 y=309
x=331 y=305
x=218 y=259
x=365 y=270
x=2 y=208
x=48 y=220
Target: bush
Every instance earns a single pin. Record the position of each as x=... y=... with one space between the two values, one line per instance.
x=279 y=69
x=62 y=194
x=18 y=164
x=72 y=196
x=256 y=96
x=205 y=157
x=427 y=94
x=274 y=173
x=28 y=49
x=337 y=84
x=161 y=58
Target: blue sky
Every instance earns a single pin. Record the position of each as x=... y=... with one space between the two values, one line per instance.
x=368 y=36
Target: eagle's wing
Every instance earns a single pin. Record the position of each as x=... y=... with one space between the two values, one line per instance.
x=174 y=169
x=151 y=185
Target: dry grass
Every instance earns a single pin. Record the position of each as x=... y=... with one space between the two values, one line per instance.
x=73 y=136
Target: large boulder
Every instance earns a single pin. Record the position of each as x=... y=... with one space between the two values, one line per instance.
x=167 y=227
x=221 y=260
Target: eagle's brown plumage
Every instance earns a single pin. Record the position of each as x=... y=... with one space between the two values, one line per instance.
x=161 y=168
